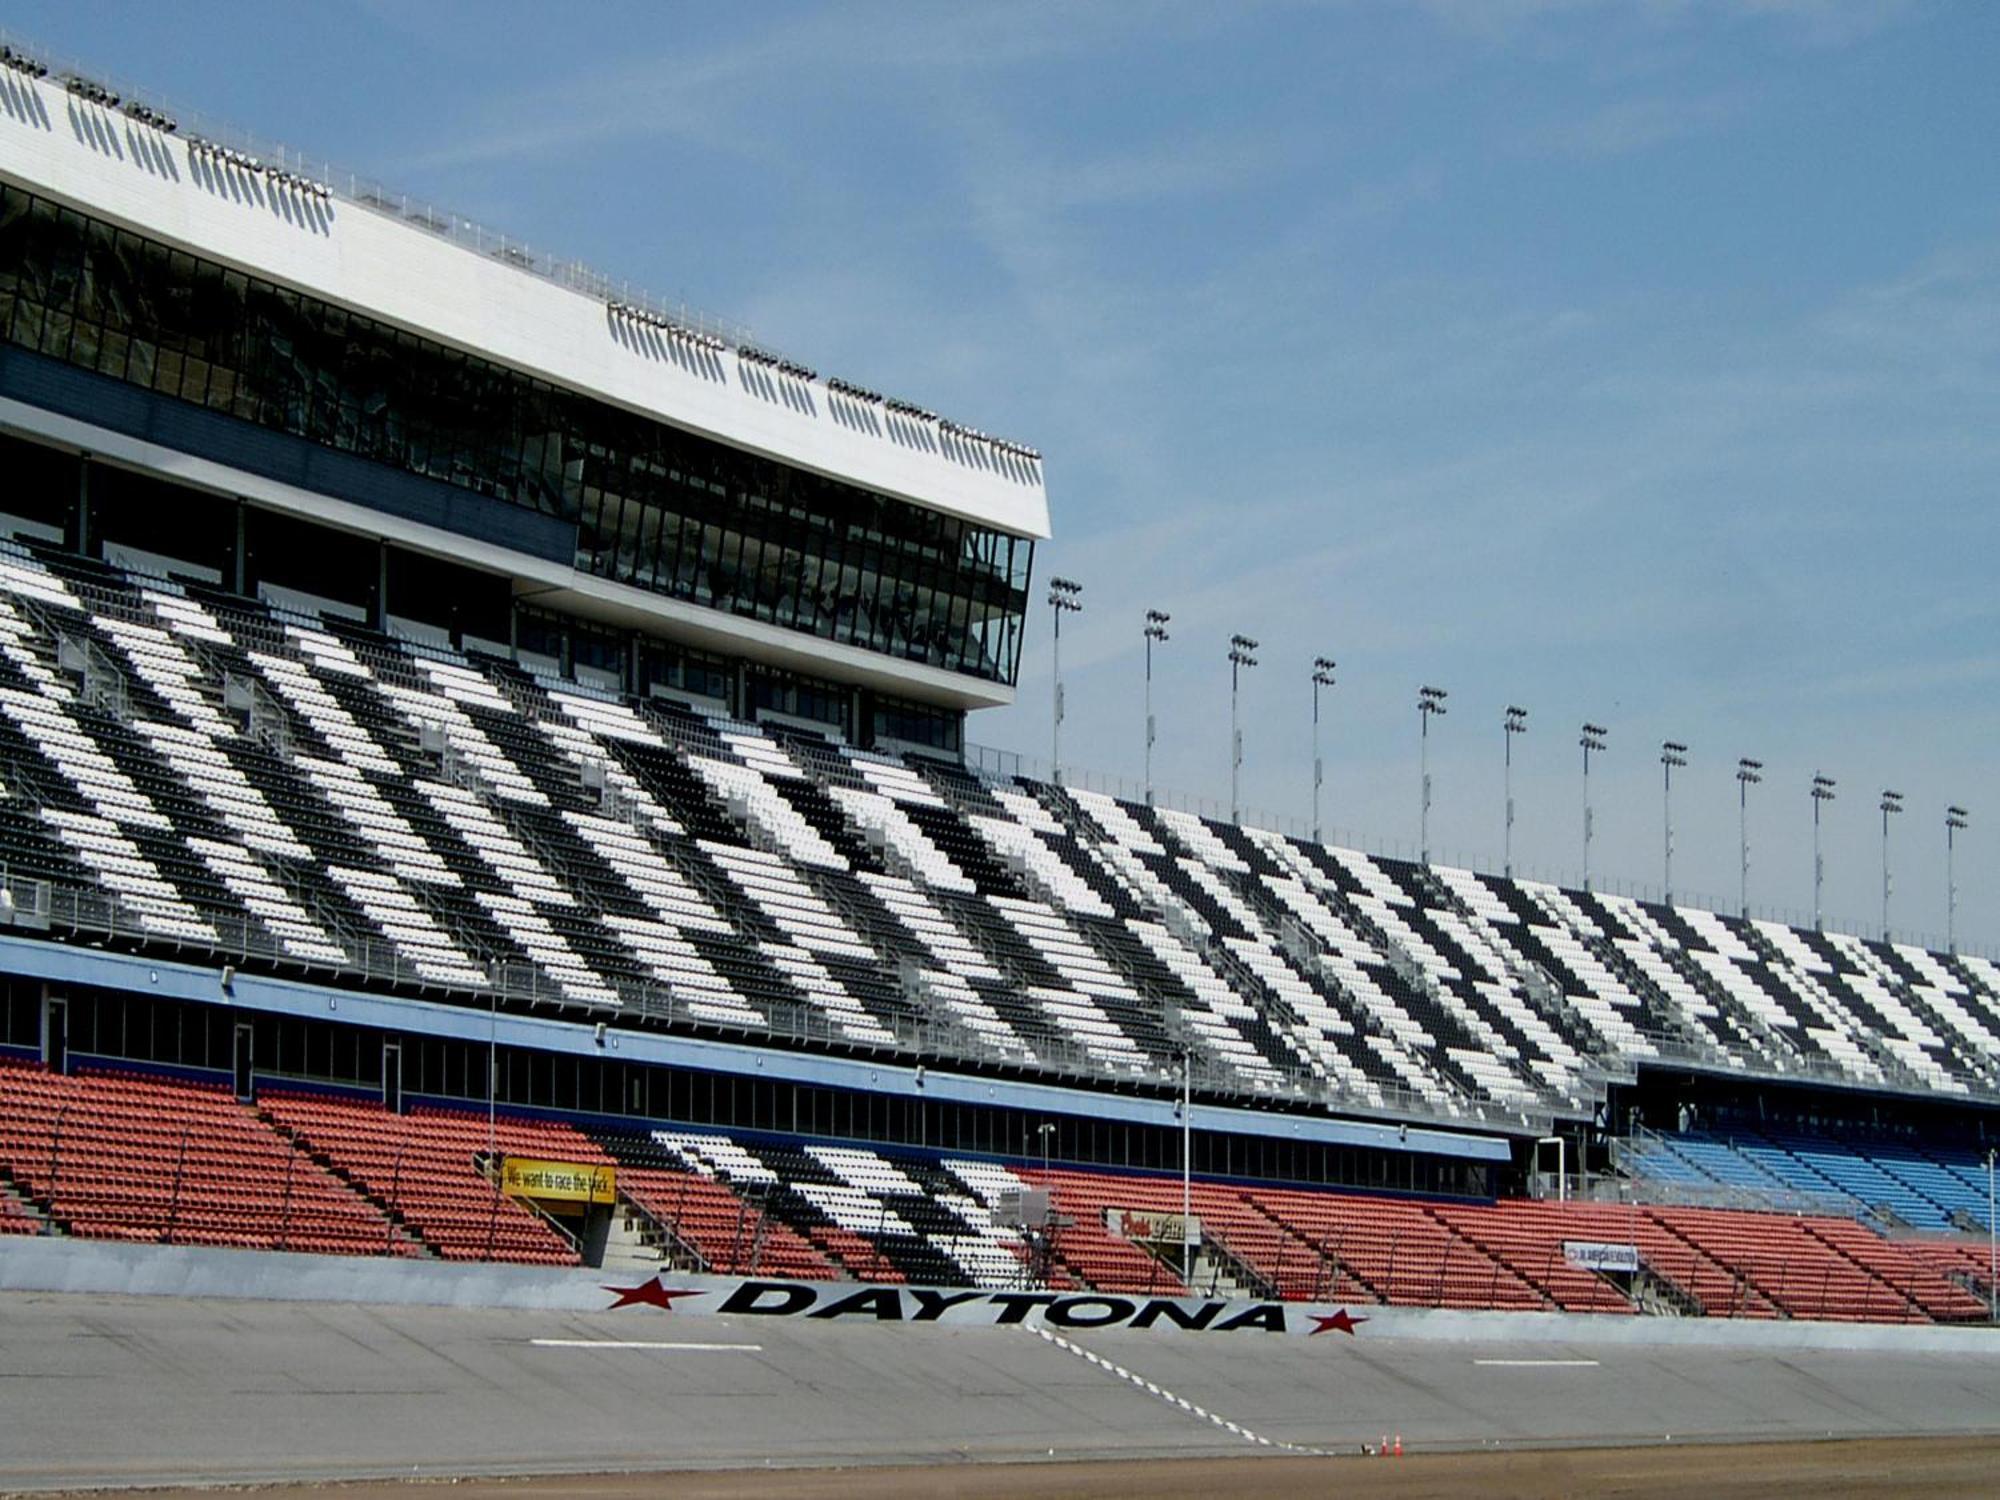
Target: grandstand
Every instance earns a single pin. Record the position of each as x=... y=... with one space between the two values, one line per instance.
x=449 y=715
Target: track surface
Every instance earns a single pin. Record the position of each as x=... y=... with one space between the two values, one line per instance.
x=155 y=1390
x=1833 y=1471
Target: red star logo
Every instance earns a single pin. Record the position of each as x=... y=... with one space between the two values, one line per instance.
x=1342 y=1321
x=653 y=1293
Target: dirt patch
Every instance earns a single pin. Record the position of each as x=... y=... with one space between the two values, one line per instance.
x=1837 y=1470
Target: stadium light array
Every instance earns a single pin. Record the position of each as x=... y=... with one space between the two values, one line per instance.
x=1591 y=739
x=1322 y=676
x=1515 y=722
x=1240 y=649
x=145 y=114
x=852 y=391
x=1156 y=633
x=751 y=354
x=1892 y=803
x=1748 y=774
x=1430 y=703
x=651 y=319
x=1065 y=597
x=20 y=63
x=1672 y=754
x=1955 y=819
x=90 y=89
x=1822 y=793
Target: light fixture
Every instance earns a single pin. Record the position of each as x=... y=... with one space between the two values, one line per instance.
x=1822 y=793
x=1591 y=739
x=1892 y=802
x=1430 y=704
x=1155 y=633
x=1672 y=754
x=1955 y=819
x=1065 y=597
x=1514 y=722
x=1240 y=649
x=1748 y=774
x=1322 y=676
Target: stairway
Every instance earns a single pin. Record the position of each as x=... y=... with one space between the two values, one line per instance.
x=16 y=1204
x=403 y=1238
x=634 y=1245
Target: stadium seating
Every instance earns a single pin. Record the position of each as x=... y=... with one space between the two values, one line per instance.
x=1793 y=1265
x=1399 y=1252
x=16 y=1219
x=1931 y=1186
x=421 y=1168
x=193 y=771
x=214 y=773
x=124 y=1156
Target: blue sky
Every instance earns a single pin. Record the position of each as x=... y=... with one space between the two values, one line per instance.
x=1634 y=361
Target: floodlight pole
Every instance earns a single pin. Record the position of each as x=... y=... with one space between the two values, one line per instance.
x=1822 y=793
x=1322 y=677
x=1065 y=597
x=1516 y=722
x=1955 y=818
x=1672 y=753
x=1892 y=802
x=1156 y=630
x=1188 y=1239
x=1591 y=739
x=1430 y=702
x=1240 y=647
x=1747 y=775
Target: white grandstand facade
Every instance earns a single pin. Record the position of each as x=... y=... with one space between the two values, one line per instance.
x=380 y=377
x=409 y=655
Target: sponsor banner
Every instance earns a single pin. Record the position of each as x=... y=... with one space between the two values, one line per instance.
x=1592 y=1255
x=1152 y=1228
x=558 y=1181
x=863 y=1302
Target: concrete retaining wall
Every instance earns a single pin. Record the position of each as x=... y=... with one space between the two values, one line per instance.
x=67 y=1265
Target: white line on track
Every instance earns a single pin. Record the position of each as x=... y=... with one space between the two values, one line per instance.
x=1538 y=1364
x=646 y=1344
x=1166 y=1395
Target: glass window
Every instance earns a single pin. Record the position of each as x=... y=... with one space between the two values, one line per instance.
x=659 y=507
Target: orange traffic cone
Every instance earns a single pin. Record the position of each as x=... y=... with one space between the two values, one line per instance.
x=1399 y=1445
x=1383 y=1450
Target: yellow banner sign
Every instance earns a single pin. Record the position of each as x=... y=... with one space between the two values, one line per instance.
x=559 y=1181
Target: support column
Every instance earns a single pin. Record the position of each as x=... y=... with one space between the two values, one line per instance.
x=240 y=551
x=81 y=538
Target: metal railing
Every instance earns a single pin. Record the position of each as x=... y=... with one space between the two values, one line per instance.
x=94 y=913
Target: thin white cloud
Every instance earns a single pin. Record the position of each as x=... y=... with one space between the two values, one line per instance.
x=1622 y=126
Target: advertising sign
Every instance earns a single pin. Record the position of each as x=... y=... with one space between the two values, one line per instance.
x=1150 y=1227
x=827 y=1301
x=558 y=1181
x=1591 y=1255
